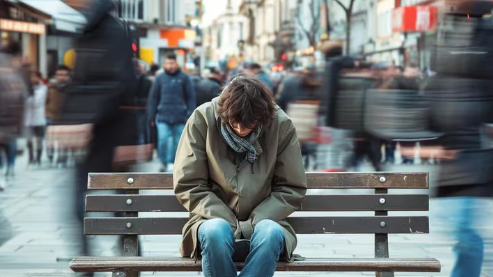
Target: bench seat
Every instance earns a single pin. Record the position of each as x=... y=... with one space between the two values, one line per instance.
x=175 y=264
x=308 y=220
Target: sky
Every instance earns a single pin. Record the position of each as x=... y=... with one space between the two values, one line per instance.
x=214 y=8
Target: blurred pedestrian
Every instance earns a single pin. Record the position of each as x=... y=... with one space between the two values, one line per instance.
x=35 y=118
x=103 y=82
x=209 y=87
x=460 y=95
x=171 y=102
x=194 y=77
x=152 y=71
x=402 y=80
x=239 y=142
x=54 y=102
x=300 y=99
x=465 y=179
x=144 y=87
x=255 y=69
x=13 y=93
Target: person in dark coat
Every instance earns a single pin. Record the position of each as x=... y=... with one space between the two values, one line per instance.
x=461 y=102
x=170 y=104
x=54 y=102
x=143 y=89
x=408 y=80
x=304 y=89
x=13 y=93
x=256 y=70
x=209 y=87
x=103 y=81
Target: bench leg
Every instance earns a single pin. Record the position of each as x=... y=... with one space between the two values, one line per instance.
x=382 y=241
x=382 y=251
x=130 y=246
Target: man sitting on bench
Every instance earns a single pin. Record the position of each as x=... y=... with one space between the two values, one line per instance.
x=239 y=173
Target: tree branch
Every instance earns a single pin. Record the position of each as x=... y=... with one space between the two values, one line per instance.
x=351 y=4
x=342 y=5
x=300 y=23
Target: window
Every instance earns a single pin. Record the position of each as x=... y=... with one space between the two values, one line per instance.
x=171 y=8
x=385 y=24
x=130 y=10
x=140 y=8
x=219 y=31
x=241 y=30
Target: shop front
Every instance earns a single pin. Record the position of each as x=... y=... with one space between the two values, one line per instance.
x=159 y=40
x=27 y=26
x=417 y=24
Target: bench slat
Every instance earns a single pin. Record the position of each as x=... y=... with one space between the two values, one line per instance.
x=302 y=225
x=169 y=203
x=108 y=264
x=316 y=180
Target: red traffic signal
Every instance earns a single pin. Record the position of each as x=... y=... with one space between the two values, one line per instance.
x=134 y=47
x=284 y=57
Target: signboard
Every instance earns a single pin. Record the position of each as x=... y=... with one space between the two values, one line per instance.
x=414 y=19
x=22 y=27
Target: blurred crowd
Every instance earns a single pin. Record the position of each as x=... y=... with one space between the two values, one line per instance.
x=110 y=112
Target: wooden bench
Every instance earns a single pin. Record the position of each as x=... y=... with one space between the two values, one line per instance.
x=131 y=226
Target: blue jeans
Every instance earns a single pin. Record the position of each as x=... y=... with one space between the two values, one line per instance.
x=168 y=138
x=10 y=150
x=463 y=218
x=217 y=245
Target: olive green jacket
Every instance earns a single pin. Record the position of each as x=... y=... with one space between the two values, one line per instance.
x=209 y=185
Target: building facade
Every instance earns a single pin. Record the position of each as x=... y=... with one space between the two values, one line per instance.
x=227 y=37
x=163 y=27
x=28 y=26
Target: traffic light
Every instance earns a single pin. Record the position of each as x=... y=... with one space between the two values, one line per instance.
x=284 y=57
x=135 y=47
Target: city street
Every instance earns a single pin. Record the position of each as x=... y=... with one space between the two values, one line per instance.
x=36 y=238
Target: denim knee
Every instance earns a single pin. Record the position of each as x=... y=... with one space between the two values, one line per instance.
x=271 y=231
x=215 y=231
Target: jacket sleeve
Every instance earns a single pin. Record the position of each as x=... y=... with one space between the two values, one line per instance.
x=40 y=97
x=289 y=184
x=153 y=100
x=190 y=94
x=191 y=174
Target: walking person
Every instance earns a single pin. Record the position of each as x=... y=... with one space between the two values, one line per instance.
x=171 y=102
x=9 y=147
x=54 y=102
x=300 y=94
x=460 y=95
x=35 y=118
x=142 y=91
x=103 y=81
x=255 y=69
x=407 y=80
x=13 y=93
x=209 y=87
x=240 y=174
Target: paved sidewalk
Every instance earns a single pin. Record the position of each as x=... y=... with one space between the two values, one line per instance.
x=38 y=228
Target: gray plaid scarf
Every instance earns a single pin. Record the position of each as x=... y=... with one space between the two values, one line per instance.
x=242 y=145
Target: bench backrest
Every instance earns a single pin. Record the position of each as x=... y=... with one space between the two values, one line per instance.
x=380 y=202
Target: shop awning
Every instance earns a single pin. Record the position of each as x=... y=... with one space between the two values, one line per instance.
x=64 y=18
